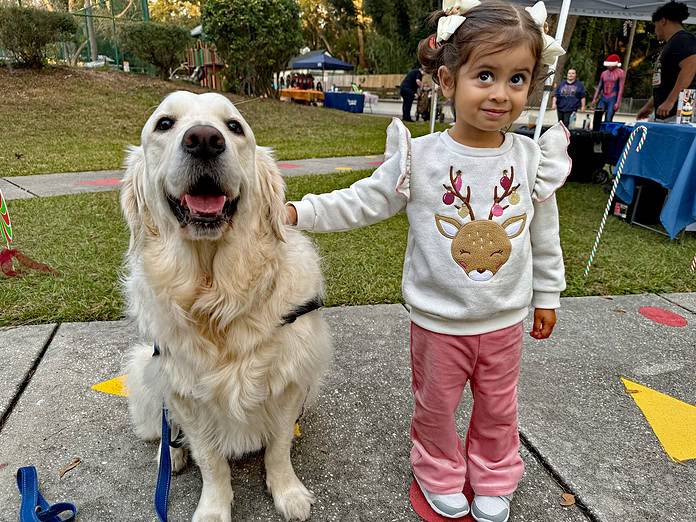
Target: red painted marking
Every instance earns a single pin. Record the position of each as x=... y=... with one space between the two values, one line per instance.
x=104 y=181
x=423 y=509
x=662 y=316
x=288 y=166
x=375 y=162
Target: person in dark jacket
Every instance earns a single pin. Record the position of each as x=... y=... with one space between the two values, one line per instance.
x=676 y=66
x=409 y=87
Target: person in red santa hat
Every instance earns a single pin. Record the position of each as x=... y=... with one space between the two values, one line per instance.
x=610 y=88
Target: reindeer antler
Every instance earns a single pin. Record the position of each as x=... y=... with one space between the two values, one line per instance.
x=508 y=190
x=455 y=191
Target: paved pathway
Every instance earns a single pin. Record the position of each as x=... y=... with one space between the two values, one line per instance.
x=23 y=187
x=582 y=432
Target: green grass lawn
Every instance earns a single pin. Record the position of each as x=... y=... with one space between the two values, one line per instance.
x=85 y=238
x=70 y=120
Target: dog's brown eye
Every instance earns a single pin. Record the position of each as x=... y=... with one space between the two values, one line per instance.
x=235 y=127
x=164 y=124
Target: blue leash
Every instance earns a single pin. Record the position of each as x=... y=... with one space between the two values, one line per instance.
x=164 y=473
x=34 y=507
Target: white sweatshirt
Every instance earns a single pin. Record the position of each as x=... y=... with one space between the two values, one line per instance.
x=463 y=274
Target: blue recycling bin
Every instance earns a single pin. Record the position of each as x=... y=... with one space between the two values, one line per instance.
x=344 y=101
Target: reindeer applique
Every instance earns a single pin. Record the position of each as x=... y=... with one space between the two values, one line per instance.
x=481 y=246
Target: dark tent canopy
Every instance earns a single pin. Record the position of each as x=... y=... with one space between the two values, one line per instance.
x=320 y=60
x=624 y=9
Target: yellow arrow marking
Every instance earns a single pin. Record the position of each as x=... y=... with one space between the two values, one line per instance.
x=344 y=168
x=115 y=386
x=673 y=421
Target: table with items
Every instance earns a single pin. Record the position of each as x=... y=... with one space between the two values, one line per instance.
x=344 y=101
x=302 y=95
x=668 y=157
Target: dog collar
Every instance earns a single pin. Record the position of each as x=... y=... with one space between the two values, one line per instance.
x=313 y=304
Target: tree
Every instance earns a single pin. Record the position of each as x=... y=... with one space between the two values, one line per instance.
x=26 y=33
x=184 y=12
x=159 y=44
x=255 y=38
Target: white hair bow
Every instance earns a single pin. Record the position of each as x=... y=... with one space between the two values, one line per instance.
x=454 y=9
x=552 y=49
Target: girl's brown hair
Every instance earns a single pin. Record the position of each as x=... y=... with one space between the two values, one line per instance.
x=490 y=27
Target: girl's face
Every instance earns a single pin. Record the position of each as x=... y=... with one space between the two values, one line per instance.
x=489 y=94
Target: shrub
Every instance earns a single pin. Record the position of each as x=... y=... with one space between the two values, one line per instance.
x=255 y=38
x=162 y=45
x=25 y=33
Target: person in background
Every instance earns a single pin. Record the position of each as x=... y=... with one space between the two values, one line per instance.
x=610 y=88
x=675 y=67
x=319 y=86
x=409 y=87
x=569 y=97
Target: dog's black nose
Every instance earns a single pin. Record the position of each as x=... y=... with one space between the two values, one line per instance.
x=203 y=142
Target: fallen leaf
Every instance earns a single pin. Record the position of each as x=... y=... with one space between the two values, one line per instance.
x=297 y=431
x=567 y=499
x=3 y=466
x=632 y=391
x=75 y=462
x=619 y=311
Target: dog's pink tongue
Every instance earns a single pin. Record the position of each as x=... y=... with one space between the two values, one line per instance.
x=205 y=204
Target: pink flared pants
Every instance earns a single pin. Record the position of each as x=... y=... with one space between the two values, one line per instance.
x=441 y=365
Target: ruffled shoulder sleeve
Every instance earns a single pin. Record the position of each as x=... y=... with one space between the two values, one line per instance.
x=399 y=144
x=554 y=162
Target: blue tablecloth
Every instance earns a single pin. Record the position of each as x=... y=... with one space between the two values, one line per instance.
x=344 y=101
x=668 y=157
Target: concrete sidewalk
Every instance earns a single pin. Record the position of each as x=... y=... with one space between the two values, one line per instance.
x=40 y=185
x=582 y=432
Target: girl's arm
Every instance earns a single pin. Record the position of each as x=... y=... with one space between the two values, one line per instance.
x=548 y=280
x=365 y=202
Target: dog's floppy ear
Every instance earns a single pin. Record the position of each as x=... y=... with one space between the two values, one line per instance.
x=132 y=201
x=272 y=190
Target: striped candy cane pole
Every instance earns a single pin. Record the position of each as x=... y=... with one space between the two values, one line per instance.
x=619 y=169
x=693 y=264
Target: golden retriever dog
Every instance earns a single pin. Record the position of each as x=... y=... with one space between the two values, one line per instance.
x=213 y=275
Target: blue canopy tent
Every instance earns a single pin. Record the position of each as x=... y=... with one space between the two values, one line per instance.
x=319 y=60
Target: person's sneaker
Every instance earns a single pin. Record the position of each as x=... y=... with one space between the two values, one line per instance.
x=491 y=509
x=453 y=505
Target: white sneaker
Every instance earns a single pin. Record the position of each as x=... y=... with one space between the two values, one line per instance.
x=452 y=505
x=491 y=509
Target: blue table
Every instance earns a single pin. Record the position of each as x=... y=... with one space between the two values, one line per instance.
x=344 y=101
x=669 y=158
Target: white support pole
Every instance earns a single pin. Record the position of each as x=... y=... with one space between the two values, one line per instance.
x=560 y=29
x=433 y=107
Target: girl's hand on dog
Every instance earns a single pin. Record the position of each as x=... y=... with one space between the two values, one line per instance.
x=544 y=321
x=291 y=214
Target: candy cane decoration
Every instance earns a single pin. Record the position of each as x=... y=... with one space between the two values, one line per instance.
x=5 y=224
x=693 y=264
x=627 y=148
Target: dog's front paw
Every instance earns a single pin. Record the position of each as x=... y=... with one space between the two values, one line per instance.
x=212 y=514
x=294 y=503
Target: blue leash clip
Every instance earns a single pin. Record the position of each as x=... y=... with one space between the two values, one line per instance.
x=34 y=507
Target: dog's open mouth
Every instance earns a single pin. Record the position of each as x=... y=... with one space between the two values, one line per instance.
x=203 y=205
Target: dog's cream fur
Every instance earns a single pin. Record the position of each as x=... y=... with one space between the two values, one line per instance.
x=233 y=378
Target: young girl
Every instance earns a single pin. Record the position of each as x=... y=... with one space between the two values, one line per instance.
x=483 y=245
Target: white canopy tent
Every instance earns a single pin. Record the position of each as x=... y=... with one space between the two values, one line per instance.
x=623 y=9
